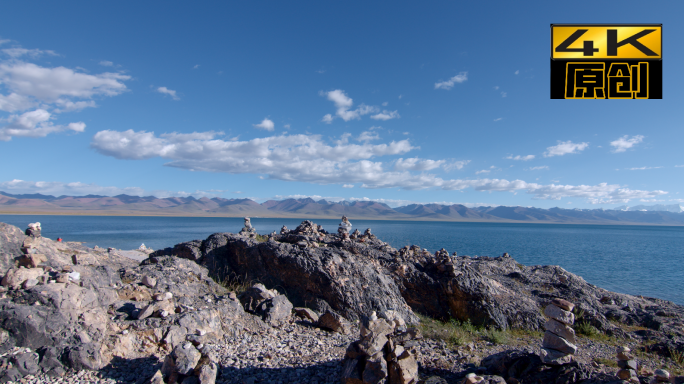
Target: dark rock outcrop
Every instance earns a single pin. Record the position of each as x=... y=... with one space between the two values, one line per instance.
x=327 y=272
x=81 y=316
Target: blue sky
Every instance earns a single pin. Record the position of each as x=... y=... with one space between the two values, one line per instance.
x=398 y=102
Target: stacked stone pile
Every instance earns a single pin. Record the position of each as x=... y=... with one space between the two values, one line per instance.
x=248 y=230
x=628 y=365
x=344 y=228
x=385 y=353
x=187 y=364
x=33 y=230
x=559 y=346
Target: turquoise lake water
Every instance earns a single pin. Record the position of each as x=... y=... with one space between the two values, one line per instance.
x=639 y=260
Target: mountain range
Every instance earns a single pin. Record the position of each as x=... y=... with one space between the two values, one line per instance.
x=125 y=205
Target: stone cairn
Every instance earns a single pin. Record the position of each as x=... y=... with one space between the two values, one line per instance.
x=188 y=363
x=248 y=230
x=33 y=230
x=385 y=352
x=627 y=364
x=344 y=228
x=559 y=346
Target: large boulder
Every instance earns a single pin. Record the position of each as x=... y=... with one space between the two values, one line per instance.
x=11 y=241
x=322 y=278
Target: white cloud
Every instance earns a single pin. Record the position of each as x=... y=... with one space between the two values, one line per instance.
x=35 y=94
x=386 y=115
x=35 y=124
x=169 y=92
x=460 y=78
x=343 y=103
x=624 y=143
x=564 y=148
x=348 y=186
x=520 y=158
x=196 y=66
x=306 y=158
x=265 y=124
x=385 y=104
x=106 y=63
x=450 y=166
x=368 y=136
x=483 y=171
x=57 y=188
x=417 y=164
x=33 y=53
x=496 y=87
x=517 y=72
x=539 y=168
x=498 y=119
x=679 y=166
x=503 y=94
x=642 y=168
x=286 y=126
x=50 y=85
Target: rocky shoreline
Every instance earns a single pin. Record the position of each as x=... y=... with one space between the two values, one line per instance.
x=307 y=306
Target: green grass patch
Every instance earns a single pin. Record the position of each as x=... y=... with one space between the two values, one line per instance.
x=459 y=333
x=606 y=362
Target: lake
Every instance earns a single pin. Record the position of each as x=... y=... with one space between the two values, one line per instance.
x=639 y=260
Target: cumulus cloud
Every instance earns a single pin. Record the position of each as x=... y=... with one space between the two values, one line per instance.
x=58 y=188
x=564 y=148
x=106 y=63
x=520 y=158
x=452 y=165
x=52 y=84
x=624 y=143
x=498 y=119
x=34 y=94
x=517 y=72
x=386 y=115
x=307 y=158
x=416 y=164
x=348 y=186
x=169 y=92
x=368 y=136
x=539 y=168
x=265 y=124
x=35 y=124
x=33 y=53
x=643 y=168
x=483 y=171
x=448 y=84
x=344 y=103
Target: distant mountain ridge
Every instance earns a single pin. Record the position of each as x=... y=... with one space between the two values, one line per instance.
x=126 y=205
x=677 y=208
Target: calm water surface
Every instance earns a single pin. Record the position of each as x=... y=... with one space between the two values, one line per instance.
x=639 y=260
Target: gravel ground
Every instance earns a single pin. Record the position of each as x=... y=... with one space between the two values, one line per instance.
x=300 y=353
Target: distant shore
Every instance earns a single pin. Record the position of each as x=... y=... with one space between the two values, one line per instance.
x=105 y=213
